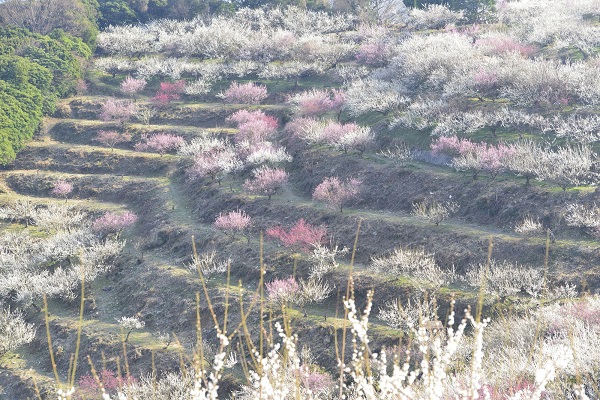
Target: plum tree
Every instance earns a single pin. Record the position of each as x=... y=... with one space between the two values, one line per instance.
x=246 y=93
x=112 y=138
x=336 y=193
x=160 y=143
x=267 y=181
x=232 y=222
x=301 y=235
x=132 y=85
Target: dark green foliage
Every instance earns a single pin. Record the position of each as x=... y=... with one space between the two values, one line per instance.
x=34 y=70
x=474 y=10
x=116 y=12
x=20 y=117
x=58 y=52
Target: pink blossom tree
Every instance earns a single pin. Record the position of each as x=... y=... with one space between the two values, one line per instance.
x=243 y=116
x=373 y=54
x=112 y=138
x=117 y=110
x=132 y=85
x=160 y=143
x=283 y=291
x=247 y=93
x=504 y=44
x=452 y=145
x=304 y=127
x=173 y=88
x=346 y=136
x=216 y=164
x=88 y=385
x=266 y=181
x=233 y=222
x=113 y=223
x=254 y=126
x=316 y=381
x=486 y=83
x=161 y=99
x=168 y=92
x=474 y=157
x=336 y=193
x=62 y=188
x=255 y=131
x=492 y=159
x=300 y=236
x=317 y=102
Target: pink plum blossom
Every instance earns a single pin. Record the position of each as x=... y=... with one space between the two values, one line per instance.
x=266 y=181
x=160 y=143
x=301 y=235
x=132 y=85
x=283 y=290
x=62 y=188
x=117 y=110
x=232 y=222
x=247 y=93
x=113 y=222
x=336 y=193
x=112 y=138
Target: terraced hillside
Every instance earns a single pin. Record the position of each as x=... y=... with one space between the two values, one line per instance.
x=176 y=206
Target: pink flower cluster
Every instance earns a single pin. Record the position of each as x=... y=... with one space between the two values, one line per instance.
x=232 y=222
x=485 y=79
x=62 y=188
x=112 y=138
x=373 y=54
x=300 y=126
x=89 y=386
x=254 y=126
x=282 y=290
x=318 y=382
x=300 y=236
x=131 y=85
x=491 y=158
x=113 y=222
x=334 y=131
x=168 y=92
x=266 y=181
x=317 y=102
x=215 y=164
x=486 y=157
x=342 y=136
x=117 y=110
x=160 y=143
x=503 y=45
x=246 y=93
x=336 y=193
x=452 y=145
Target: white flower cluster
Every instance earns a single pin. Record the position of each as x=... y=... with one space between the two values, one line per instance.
x=434 y=212
x=506 y=279
x=130 y=323
x=33 y=265
x=209 y=264
x=324 y=261
x=529 y=225
x=14 y=331
x=414 y=264
x=409 y=315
